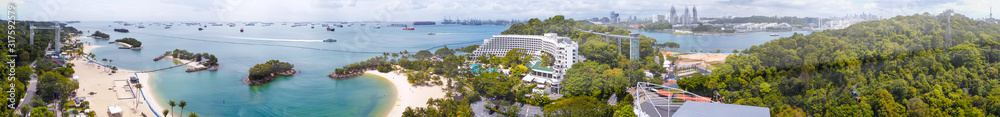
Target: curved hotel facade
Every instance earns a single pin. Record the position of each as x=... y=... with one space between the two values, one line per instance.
x=563 y=49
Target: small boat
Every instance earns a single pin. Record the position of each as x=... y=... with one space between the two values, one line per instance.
x=774 y=34
x=241 y=29
x=431 y=34
x=378 y=26
x=199 y=29
x=407 y=28
x=166 y=27
x=330 y=40
x=330 y=29
x=140 y=26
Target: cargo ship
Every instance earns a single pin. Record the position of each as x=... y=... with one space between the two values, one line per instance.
x=397 y=25
x=424 y=23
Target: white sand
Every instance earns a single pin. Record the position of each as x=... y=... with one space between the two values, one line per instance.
x=94 y=78
x=408 y=95
x=188 y=62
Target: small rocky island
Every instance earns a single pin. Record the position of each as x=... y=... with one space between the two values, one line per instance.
x=128 y=43
x=100 y=35
x=266 y=72
x=198 y=61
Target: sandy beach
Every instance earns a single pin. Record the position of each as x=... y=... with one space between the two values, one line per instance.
x=188 y=62
x=407 y=94
x=114 y=89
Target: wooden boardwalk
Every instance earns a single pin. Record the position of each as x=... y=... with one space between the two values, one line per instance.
x=145 y=71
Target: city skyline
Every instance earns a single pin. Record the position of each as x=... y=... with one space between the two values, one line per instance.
x=411 y=10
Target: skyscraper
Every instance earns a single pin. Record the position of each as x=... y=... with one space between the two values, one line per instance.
x=694 y=11
x=673 y=14
x=614 y=17
x=686 y=16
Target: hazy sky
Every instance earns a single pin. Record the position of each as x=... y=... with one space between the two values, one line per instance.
x=435 y=10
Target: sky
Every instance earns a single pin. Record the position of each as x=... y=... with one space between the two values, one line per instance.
x=436 y=10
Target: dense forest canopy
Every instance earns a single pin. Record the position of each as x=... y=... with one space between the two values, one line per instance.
x=268 y=69
x=184 y=54
x=663 y=25
x=130 y=41
x=99 y=34
x=898 y=67
x=52 y=83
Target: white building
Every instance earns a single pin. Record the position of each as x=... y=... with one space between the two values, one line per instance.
x=563 y=49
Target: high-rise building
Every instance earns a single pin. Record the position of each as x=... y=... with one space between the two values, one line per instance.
x=694 y=11
x=687 y=15
x=673 y=14
x=614 y=17
x=563 y=49
x=660 y=18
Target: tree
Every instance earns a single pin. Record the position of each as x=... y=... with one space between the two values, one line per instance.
x=444 y=52
x=166 y=112
x=182 y=105
x=625 y=111
x=423 y=54
x=580 y=106
x=172 y=104
x=41 y=112
x=887 y=106
x=193 y=115
x=53 y=85
x=519 y=70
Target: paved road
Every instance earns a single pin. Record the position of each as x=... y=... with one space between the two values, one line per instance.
x=30 y=94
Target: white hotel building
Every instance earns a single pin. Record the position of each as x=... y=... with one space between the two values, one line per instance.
x=563 y=49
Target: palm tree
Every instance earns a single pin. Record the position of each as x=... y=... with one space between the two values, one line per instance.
x=172 y=104
x=182 y=104
x=137 y=86
x=193 y=115
x=165 y=112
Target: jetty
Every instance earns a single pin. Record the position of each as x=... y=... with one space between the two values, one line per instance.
x=145 y=71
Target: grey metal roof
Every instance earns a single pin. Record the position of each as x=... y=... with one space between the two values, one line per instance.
x=705 y=109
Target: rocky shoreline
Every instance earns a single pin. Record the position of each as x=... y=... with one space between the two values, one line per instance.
x=349 y=74
x=127 y=46
x=270 y=78
x=209 y=68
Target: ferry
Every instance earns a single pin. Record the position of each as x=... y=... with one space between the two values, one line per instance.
x=330 y=40
x=774 y=34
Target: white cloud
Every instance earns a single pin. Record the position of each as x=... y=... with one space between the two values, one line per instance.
x=871 y=5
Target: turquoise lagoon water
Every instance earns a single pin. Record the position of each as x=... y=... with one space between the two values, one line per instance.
x=310 y=92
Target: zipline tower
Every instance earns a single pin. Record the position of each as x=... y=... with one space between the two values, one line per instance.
x=947 y=37
x=57 y=40
x=632 y=38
